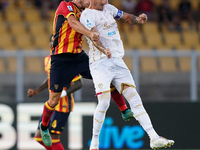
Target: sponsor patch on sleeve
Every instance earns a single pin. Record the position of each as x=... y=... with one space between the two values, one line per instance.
x=70 y=8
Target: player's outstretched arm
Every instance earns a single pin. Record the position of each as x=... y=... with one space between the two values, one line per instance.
x=76 y=86
x=78 y=27
x=32 y=92
x=99 y=46
x=131 y=19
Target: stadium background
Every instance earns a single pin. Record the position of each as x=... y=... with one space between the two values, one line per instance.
x=164 y=81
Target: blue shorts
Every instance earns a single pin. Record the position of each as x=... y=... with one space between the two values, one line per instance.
x=64 y=67
x=57 y=122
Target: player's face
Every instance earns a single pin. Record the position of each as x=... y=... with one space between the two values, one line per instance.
x=99 y=4
x=84 y=4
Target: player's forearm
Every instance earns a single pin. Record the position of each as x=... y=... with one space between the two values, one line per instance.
x=43 y=86
x=99 y=46
x=131 y=19
x=78 y=27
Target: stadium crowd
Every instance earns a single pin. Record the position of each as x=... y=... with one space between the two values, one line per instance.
x=161 y=12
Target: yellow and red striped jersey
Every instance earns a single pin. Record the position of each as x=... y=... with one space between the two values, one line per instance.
x=66 y=103
x=66 y=39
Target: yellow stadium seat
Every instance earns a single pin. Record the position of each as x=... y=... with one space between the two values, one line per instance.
x=195 y=4
x=32 y=15
x=11 y=4
x=134 y=38
x=150 y=27
x=34 y=65
x=2 y=65
x=24 y=4
x=51 y=15
x=174 y=3
x=191 y=39
x=148 y=64
x=184 y=63
x=129 y=62
x=37 y=28
x=11 y=64
x=154 y=40
x=6 y=40
x=173 y=39
x=167 y=64
x=48 y=25
x=42 y=41
x=18 y=28
x=3 y=28
x=24 y=41
x=13 y=15
x=1 y=17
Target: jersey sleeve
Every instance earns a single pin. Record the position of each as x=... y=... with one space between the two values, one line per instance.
x=78 y=77
x=88 y=19
x=67 y=9
x=117 y=14
x=46 y=61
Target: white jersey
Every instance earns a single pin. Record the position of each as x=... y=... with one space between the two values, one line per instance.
x=106 y=25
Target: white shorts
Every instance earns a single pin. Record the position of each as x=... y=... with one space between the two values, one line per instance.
x=106 y=71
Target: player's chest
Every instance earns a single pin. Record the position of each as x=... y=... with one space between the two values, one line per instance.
x=105 y=21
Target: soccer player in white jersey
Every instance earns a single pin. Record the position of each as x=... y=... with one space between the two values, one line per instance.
x=107 y=66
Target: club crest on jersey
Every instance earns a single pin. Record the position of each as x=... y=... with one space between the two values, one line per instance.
x=56 y=86
x=100 y=85
x=70 y=8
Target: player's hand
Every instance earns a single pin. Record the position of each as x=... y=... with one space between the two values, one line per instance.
x=142 y=18
x=108 y=53
x=94 y=36
x=31 y=92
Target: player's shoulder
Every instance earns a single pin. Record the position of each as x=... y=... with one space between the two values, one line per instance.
x=87 y=11
x=109 y=6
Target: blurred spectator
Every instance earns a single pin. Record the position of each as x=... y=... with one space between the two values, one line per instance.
x=185 y=12
x=126 y=6
x=165 y=15
x=148 y=7
x=38 y=3
x=3 y=4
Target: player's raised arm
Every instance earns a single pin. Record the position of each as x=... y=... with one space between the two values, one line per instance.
x=32 y=92
x=78 y=27
x=132 y=19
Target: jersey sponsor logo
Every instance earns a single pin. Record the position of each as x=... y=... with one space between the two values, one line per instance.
x=88 y=23
x=111 y=33
x=70 y=8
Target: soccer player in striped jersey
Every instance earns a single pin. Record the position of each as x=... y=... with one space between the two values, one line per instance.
x=62 y=110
